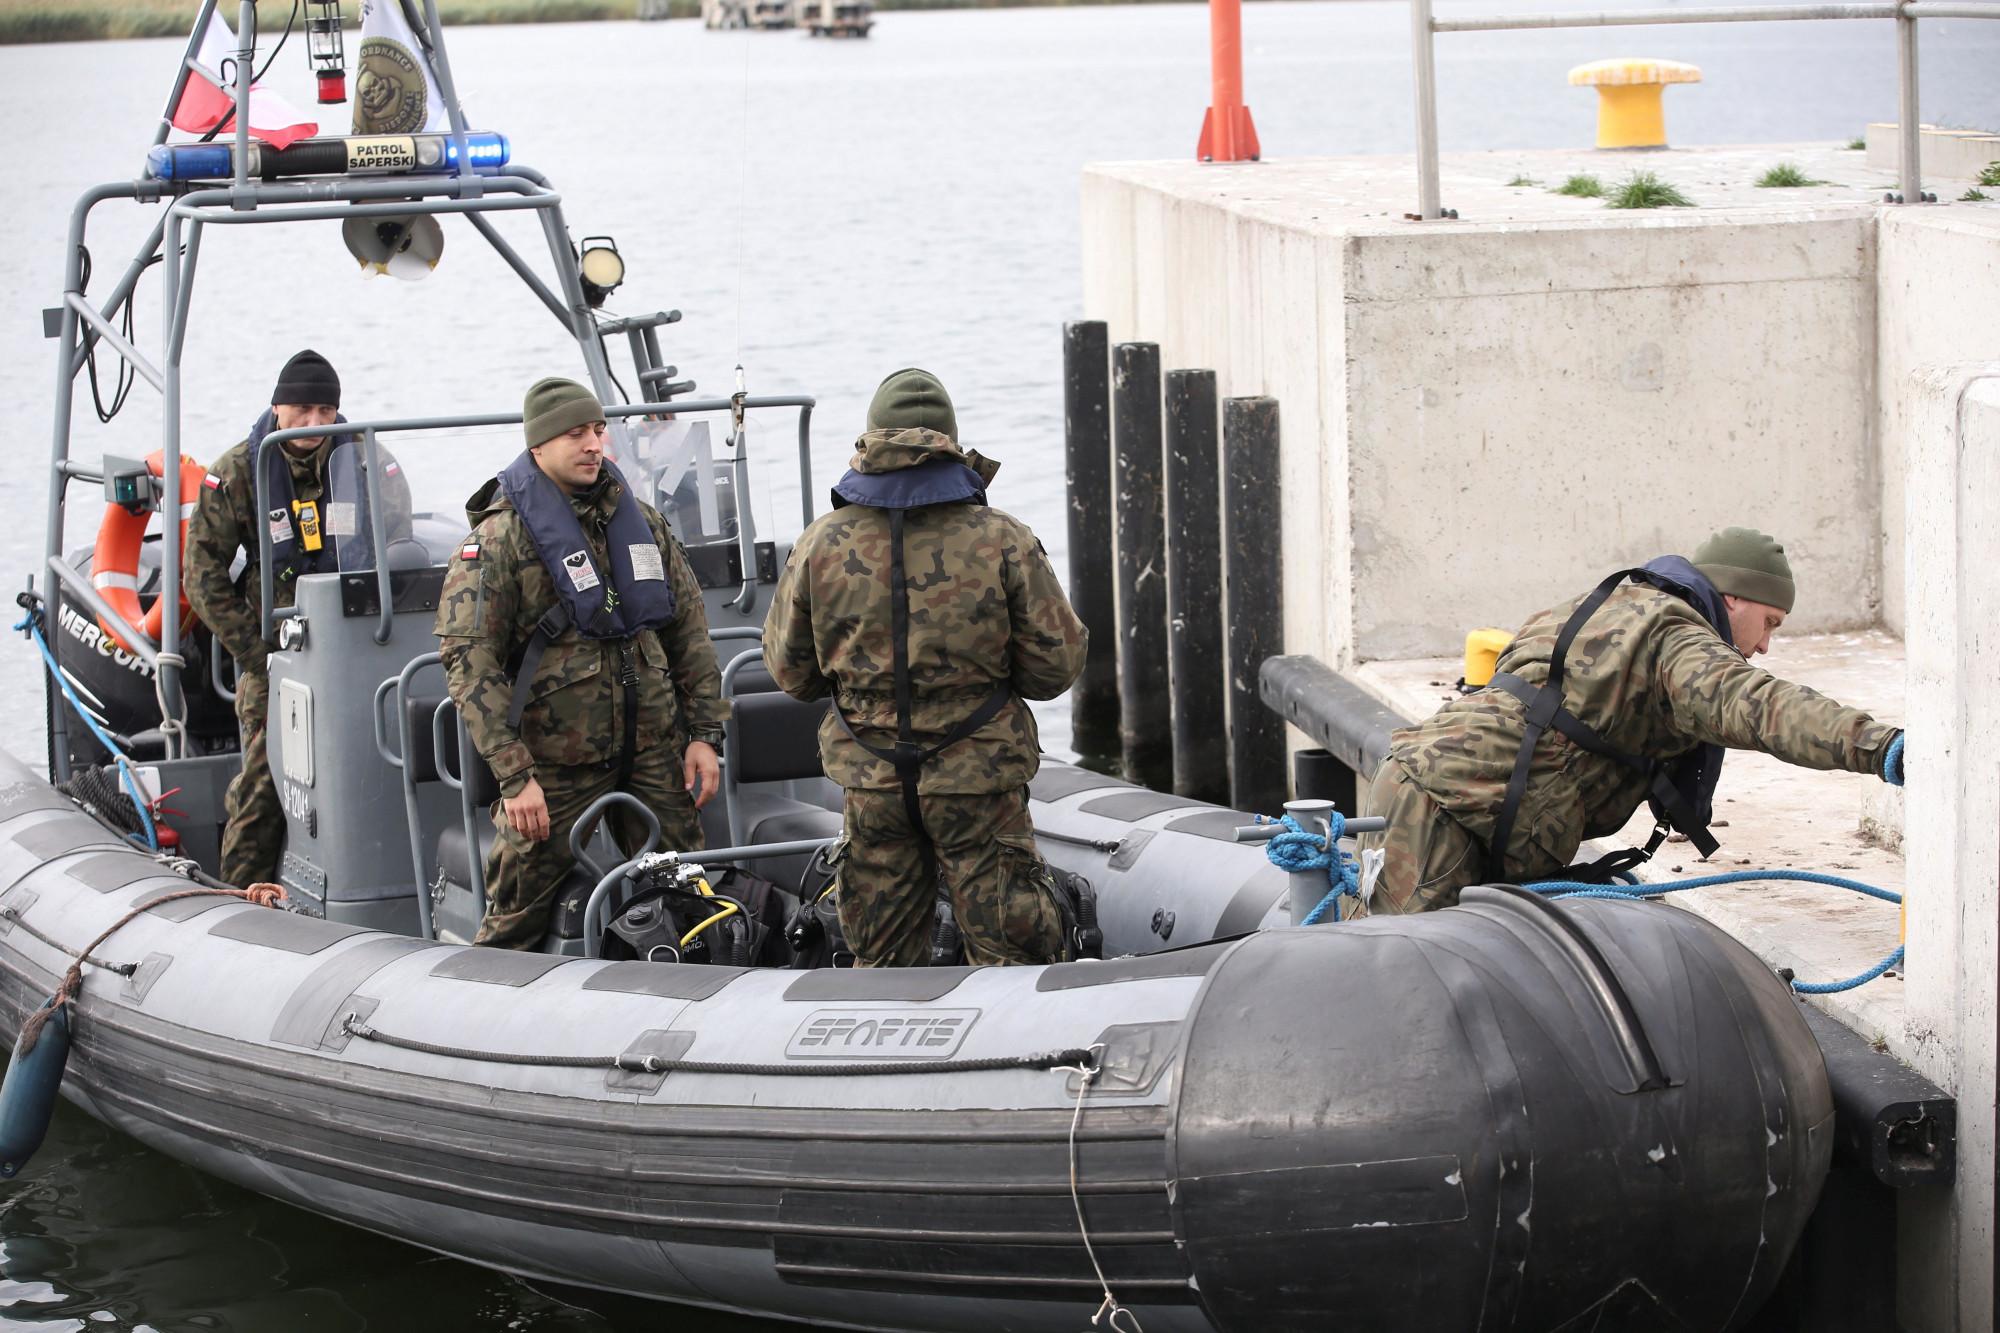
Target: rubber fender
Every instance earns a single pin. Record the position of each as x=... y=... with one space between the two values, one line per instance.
x=28 y=1096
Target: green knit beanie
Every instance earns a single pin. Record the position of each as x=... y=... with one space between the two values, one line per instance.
x=554 y=405
x=1746 y=563
x=911 y=398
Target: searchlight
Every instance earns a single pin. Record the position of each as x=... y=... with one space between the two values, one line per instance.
x=352 y=155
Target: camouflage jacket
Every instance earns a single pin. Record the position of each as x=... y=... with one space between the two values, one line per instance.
x=496 y=589
x=1654 y=680
x=985 y=608
x=224 y=522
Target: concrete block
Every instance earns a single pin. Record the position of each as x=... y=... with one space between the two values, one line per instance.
x=1953 y=819
x=1958 y=155
x=1938 y=289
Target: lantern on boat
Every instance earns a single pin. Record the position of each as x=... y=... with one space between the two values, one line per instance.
x=324 y=49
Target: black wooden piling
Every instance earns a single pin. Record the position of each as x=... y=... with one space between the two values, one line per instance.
x=1254 y=579
x=1194 y=587
x=1145 y=721
x=1087 y=450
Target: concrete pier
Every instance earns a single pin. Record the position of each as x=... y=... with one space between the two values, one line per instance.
x=1481 y=417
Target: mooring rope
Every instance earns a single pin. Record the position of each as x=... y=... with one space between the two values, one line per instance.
x=264 y=895
x=1559 y=889
x=1298 y=849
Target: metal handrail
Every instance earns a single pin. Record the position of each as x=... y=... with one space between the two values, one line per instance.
x=1424 y=27
x=732 y=742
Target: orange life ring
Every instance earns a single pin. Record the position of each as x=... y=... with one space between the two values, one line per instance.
x=114 y=564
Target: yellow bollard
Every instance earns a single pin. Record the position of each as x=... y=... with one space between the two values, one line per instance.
x=1629 y=114
x=1482 y=653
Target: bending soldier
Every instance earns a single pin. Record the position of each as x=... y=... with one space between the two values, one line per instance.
x=929 y=616
x=576 y=648
x=226 y=520
x=1630 y=693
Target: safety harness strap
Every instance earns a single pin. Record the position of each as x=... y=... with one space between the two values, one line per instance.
x=547 y=630
x=1545 y=710
x=908 y=758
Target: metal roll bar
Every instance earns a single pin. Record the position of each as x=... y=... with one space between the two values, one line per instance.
x=1424 y=27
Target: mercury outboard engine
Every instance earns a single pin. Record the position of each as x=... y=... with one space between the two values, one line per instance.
x=117 y=686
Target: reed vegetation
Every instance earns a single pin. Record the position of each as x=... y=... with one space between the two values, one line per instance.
x=1582 y=186
x=91 y=20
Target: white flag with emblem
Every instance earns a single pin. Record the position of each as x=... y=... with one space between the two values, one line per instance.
x=393 y=91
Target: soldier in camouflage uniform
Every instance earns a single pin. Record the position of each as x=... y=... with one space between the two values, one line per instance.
x=1659 y=672
x=987 y=626
x=626 y=696
x=226 y=520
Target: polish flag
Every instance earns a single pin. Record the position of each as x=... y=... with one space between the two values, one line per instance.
x=209 y=100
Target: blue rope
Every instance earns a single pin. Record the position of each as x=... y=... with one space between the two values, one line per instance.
x=32 y=624
x=1297 y=850
x=1892 y=762
x=1569 y=888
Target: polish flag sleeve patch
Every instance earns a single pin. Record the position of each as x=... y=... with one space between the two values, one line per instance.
x=213 y=482
x=469 y=551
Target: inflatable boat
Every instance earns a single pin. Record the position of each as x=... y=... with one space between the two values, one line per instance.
x=1511 y=1114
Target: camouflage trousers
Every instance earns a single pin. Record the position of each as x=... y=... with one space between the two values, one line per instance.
x=522 y=877
x=254 y=836
x=982 y=847
x=1428 y=857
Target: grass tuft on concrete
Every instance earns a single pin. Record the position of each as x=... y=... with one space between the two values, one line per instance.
x=1581 y=186
x=1856 y=145
x=1785 y=176
x=1645 y=190
x=1523 y=182
x=1991 y=175
x=1974 y=196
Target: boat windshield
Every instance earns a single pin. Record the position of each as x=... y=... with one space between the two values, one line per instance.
x=350 y=518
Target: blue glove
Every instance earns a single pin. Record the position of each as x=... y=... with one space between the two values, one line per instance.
x=1892 y=762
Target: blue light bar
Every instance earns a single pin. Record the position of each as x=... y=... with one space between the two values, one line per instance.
x=487 y=148
x=359 y=155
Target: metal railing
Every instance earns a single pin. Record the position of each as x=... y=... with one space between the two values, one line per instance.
x=1424 y=29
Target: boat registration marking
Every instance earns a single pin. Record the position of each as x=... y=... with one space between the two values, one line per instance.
x=881 y=1034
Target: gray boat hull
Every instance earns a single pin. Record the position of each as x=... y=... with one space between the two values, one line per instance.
x=1486 y=1117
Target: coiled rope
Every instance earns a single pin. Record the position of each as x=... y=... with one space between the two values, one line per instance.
x=1297 y=850
x=1559 y=889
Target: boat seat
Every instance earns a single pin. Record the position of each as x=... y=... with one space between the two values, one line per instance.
x=777 y=737
x=421 y=761
x=565 y=922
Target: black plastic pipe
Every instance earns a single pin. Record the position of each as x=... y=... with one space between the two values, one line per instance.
x=1194 y=587
x=1254 y=581
x=1093 y=717
x=1145 y=719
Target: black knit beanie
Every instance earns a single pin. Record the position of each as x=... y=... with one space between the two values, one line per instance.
x=307 y=380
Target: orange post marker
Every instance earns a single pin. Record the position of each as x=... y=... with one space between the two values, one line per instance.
x=1227 y=134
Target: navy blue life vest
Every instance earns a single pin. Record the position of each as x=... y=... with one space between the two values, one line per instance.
x=289 y=557
x=935 y=481
x=1681 y=791
x=637 y=596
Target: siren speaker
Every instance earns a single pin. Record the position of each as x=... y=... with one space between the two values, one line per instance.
x=403 y=247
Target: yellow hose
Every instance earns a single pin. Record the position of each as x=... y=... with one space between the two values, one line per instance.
x=729 y=909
